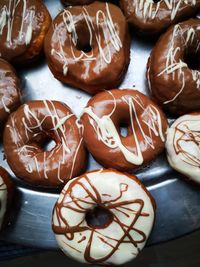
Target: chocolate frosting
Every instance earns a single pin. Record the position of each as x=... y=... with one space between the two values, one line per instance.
x=9 y=90
x=174 y=85
x=23 y=25
x=6 y=196
x=77 y=2
x=88 y=46
x=146 y=127
x=25 y=133
x=131 y=210
x=153 y=17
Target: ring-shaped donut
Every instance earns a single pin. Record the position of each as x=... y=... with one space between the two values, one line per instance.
x=9 y=90
x=104 y=117
x=124 y=213
x=155 y=16
x=77 y=2
x=173 y=70
x=88 y=47
x=26 y=131
x=183 y=146
x=23 y=25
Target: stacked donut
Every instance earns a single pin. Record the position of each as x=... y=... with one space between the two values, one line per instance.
x=104 y=216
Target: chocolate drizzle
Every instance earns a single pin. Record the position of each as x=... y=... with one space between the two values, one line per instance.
x=187 y=135
x=183 y=146
x=90 y=197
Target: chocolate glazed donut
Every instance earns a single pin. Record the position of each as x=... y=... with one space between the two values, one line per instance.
x=173 y=70
x=77 y=2
x=88 y=47
x=80 y=2
x=9 y=90
x=23 y=25
x=27 y=130
x=146 y=125
x=154 y=16
x=6 y=196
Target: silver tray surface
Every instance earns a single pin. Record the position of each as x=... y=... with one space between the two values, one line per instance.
x=178 y=202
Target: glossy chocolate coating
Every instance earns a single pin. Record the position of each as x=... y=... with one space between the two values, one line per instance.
x=153 y=17
x=146 y=125
x=77 y=2
x=9 y=90
x=22 y=29
x=27 y=130
x=74 y=31
x=6 y=196
x=173 y=84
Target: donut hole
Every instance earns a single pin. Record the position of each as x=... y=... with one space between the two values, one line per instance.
x=48 y=144
x=192 y=60
x=123 y=129
x=83 y=40
x=84 y=47
x=99 y=217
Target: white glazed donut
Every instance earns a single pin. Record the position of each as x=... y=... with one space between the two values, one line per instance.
x=6 y=191
x=130 y=216
x=183 y=146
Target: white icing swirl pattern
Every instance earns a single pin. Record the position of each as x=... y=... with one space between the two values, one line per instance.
x=107 y=133
x=174 y=67
x=150 y=8
x=103 y=21
x=7 y=17
x=33 y=127
x=4 y=101
x=9 y=90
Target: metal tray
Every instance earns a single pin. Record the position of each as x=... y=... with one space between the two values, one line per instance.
x=178 y=202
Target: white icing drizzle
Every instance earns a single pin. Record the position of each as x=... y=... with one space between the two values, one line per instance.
x=173 y=66
x=7 y=17
x=3 y=200
x=3 y=19
x=5 y=99
x=108 y=134
x=150 y=9
x=8 y=91
x=31 y=123
x=103 y=22
x=196 y=77
x=29 y=31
